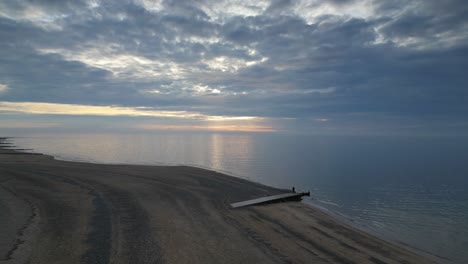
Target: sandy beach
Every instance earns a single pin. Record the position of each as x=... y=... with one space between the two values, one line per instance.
x=69 y=212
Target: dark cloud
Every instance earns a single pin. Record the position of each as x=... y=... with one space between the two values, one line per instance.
x=341 y=2
x=431 y=21
x=279 y=6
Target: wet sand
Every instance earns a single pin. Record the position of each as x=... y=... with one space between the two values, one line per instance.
x=69 y=212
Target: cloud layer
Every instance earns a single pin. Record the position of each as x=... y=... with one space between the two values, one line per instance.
x=279 y=59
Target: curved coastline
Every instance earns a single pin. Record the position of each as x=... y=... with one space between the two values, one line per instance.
x=176 y=214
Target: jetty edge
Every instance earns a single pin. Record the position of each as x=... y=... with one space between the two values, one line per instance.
x=284 y=197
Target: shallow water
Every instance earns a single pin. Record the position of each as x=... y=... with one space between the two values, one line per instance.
x=407 y=189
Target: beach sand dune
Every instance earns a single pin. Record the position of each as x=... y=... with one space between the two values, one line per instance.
x=67 y=212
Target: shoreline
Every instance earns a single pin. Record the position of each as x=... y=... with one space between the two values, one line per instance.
x=344 y=219
x=164 y=213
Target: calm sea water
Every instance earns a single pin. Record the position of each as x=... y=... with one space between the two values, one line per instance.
x=407 y=189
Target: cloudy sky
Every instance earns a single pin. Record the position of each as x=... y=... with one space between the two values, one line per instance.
x=311 y=66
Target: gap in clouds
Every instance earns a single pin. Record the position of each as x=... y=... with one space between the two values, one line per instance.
x=200 y=121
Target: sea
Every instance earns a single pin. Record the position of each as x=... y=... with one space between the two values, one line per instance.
x=411 y=190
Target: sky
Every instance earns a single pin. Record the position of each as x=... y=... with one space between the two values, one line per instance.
x=307 y=67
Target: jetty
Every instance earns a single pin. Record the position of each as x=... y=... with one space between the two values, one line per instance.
x=272 y=199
